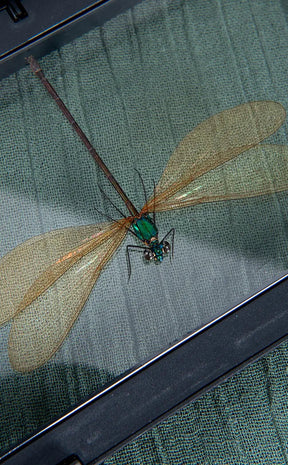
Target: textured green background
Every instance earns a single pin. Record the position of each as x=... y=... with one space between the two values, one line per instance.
x=137 y=86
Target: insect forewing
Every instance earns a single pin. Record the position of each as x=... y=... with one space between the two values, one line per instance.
x=21 y=267
x=39 y=330
x=213 y=142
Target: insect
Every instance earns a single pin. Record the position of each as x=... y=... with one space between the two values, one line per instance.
x=46 y=281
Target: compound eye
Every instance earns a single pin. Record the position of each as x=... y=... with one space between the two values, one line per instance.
x=166 y=247
x=148 y=254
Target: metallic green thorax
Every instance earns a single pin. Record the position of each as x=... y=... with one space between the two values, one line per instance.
x=144 y=228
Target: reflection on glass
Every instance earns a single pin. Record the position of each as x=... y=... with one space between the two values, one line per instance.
x=49 y=278
x=137 y=85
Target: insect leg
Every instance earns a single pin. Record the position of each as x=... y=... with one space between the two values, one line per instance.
x=109 y=200
x=154 y=195
x=142 y=182
x=128 y=250
x=115 y=221
x=172 y=233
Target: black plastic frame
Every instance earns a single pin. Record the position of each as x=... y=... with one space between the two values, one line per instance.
x=179 y=375
x=49 y=25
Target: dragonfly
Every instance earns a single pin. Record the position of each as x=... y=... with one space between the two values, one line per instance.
x=46 y=280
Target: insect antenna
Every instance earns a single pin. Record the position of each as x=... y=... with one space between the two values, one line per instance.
x=109 y=200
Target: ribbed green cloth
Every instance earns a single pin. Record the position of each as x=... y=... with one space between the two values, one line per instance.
x=137 y=86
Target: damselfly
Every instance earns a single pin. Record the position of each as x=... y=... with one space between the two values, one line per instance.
x=46 y=281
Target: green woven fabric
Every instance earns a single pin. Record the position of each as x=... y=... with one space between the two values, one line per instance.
x=137 y=86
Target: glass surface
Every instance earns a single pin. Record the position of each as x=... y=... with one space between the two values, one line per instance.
x=137 y=86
